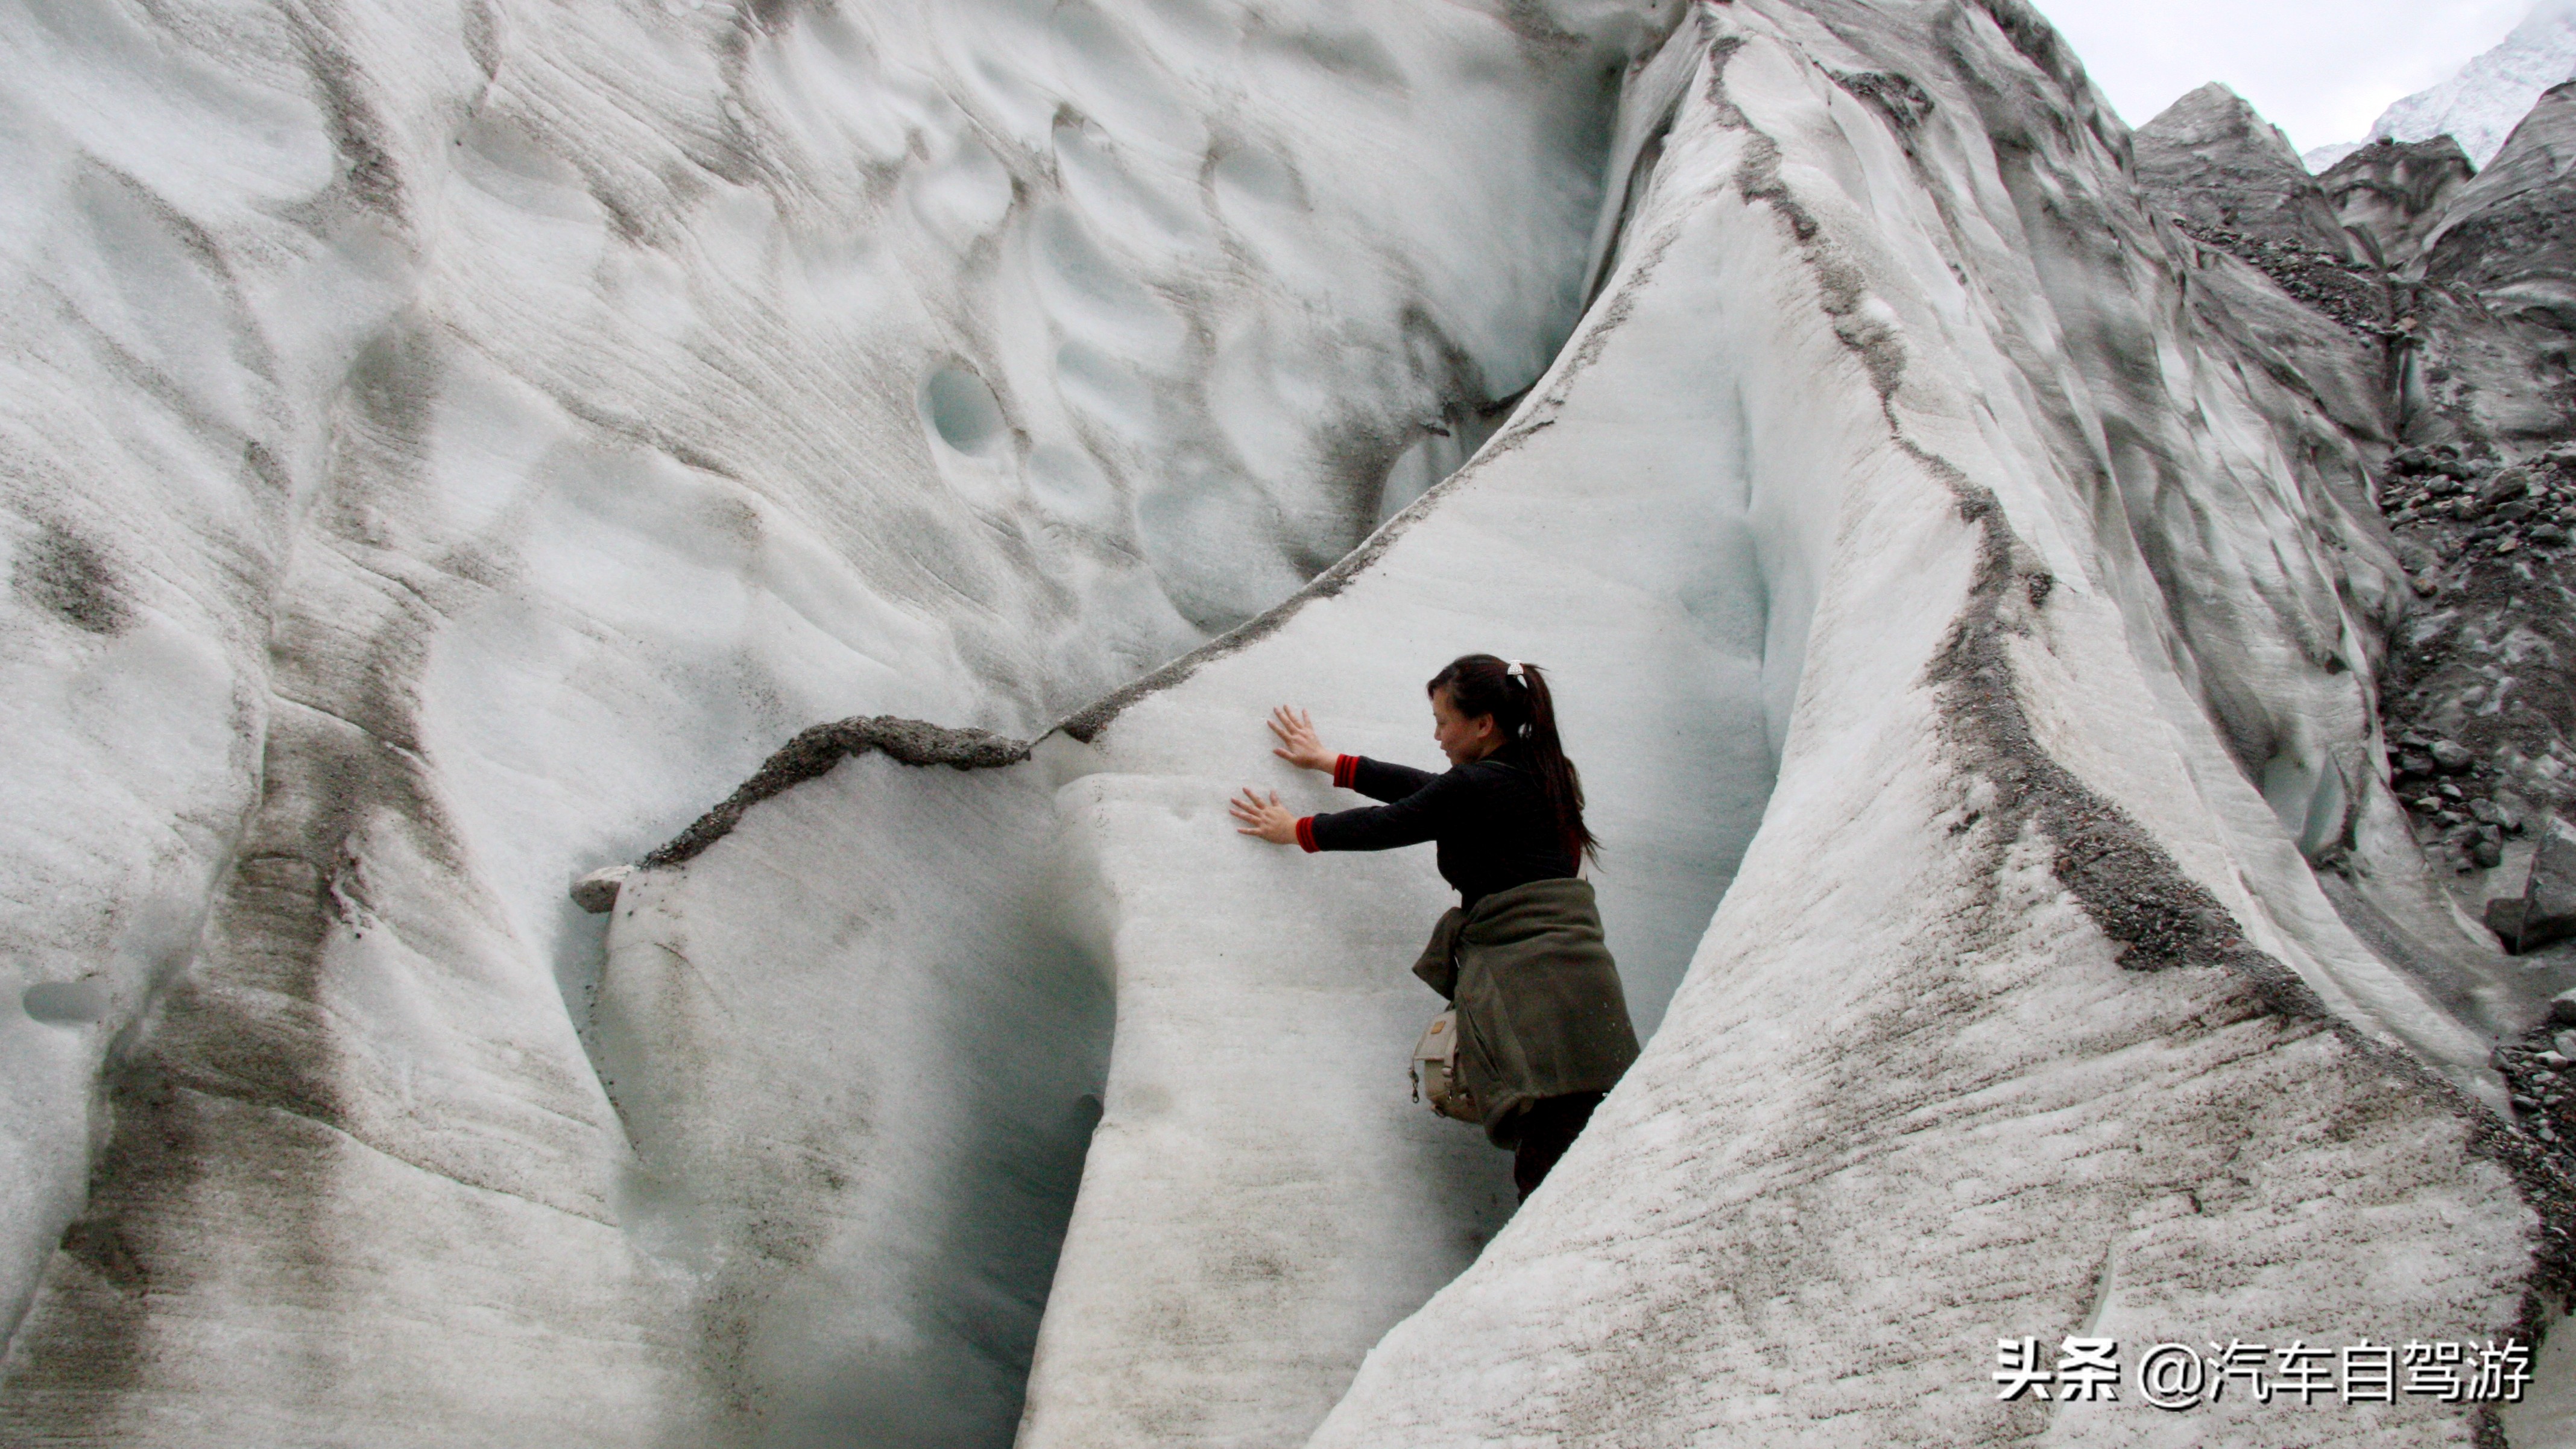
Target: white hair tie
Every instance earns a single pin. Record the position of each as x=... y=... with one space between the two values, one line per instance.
x=1512 y=669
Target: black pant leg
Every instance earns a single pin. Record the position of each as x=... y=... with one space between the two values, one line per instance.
x=1547 y=1129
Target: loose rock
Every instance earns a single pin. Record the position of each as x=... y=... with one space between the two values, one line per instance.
x=597 y=891
x=2549 y=900
x=2504 y=917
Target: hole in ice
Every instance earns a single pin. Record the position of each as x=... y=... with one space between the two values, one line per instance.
x=962 y=410
x=66 y=1003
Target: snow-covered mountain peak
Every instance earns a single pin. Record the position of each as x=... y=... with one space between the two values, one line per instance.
x=2490 y=95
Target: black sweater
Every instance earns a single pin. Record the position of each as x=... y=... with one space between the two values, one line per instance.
x=1489 y=816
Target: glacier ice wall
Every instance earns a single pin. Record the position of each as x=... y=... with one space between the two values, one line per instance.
x=1962 y=585
x=2017 y=1020
x=448 y=444
x=858 y=1119
x=2028 y=538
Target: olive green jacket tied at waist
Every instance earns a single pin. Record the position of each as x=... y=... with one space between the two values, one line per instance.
x=1540 y=1012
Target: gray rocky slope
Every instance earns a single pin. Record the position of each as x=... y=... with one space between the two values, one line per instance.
x=2390 y=195
x=1975 y=598
x=2458 y=294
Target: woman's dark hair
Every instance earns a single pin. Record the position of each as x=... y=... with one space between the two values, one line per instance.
x=1515 y=694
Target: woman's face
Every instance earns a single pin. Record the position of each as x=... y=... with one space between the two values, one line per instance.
x=1462 y=739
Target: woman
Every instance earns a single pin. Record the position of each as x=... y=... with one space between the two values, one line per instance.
x=1543 y=1028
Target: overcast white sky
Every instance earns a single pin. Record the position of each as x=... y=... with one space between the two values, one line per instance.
x=2321 y=70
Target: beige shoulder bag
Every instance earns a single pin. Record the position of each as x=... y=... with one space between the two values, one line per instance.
x=1435 y=1071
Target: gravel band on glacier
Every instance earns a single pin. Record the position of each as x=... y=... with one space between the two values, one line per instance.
x=1964 y=586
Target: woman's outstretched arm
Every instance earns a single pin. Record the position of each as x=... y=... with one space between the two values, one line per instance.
x=1374 y=778
x=1409 y=821
x=1379 y=780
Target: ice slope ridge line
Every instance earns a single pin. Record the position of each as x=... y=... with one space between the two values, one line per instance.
x=2122 y=877
x=818 y=749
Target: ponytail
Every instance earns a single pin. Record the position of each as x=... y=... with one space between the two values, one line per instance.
x=1516 y=695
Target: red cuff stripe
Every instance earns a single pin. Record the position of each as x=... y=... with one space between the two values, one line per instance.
x=1345 y=769
x=1306 y=833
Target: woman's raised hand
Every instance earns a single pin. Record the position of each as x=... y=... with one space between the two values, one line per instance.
x=1297 y=742
x=1268 y=819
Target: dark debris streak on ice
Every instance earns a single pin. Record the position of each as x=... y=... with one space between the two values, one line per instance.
x=2130 y=887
